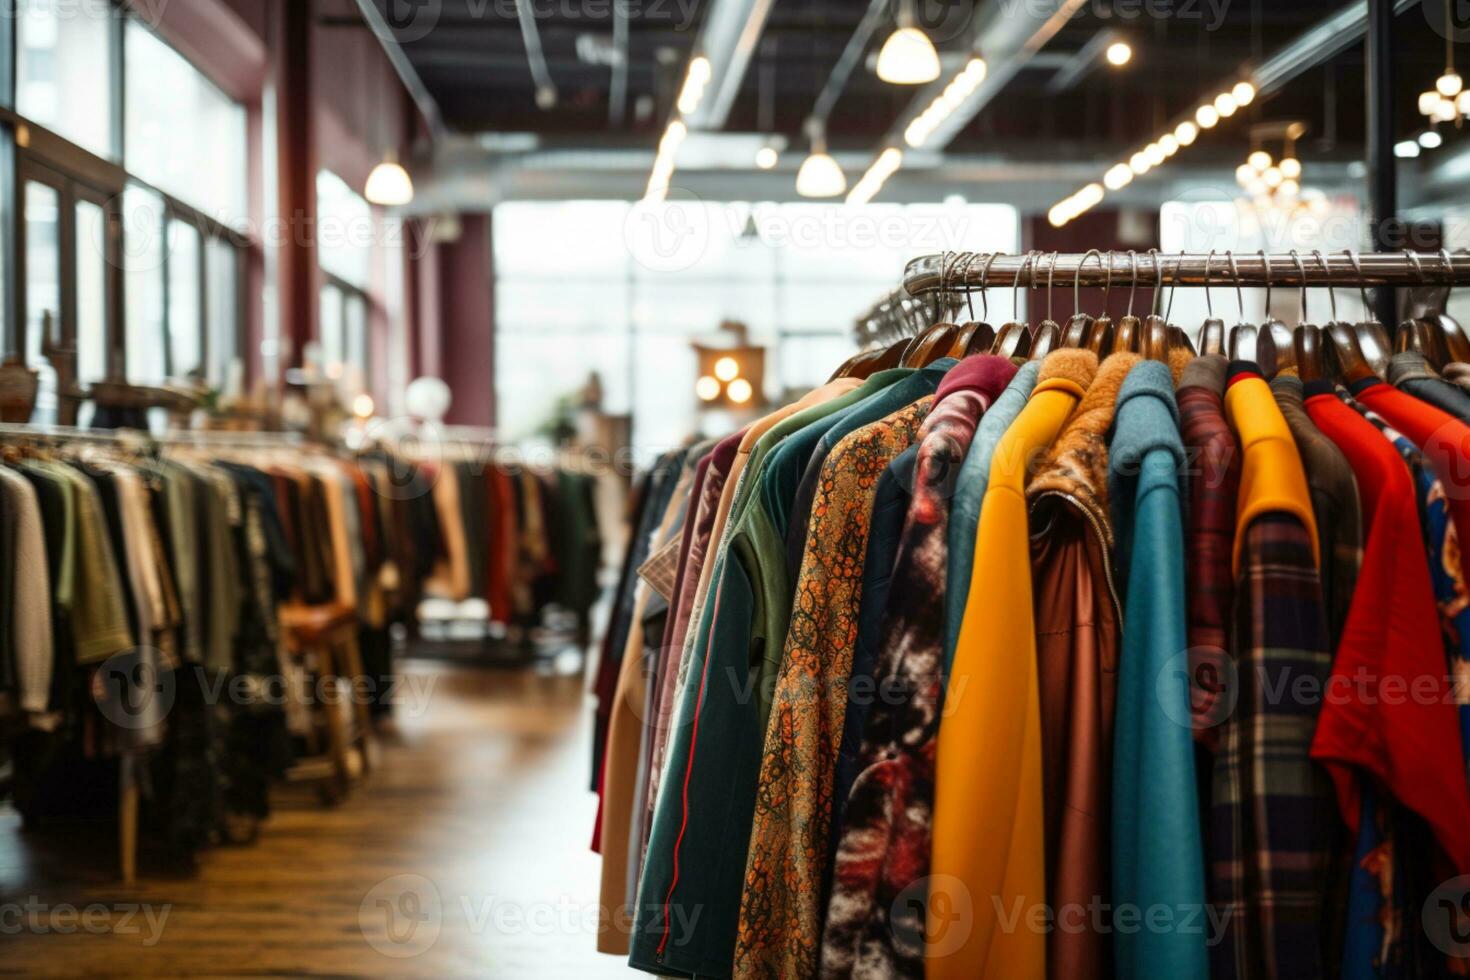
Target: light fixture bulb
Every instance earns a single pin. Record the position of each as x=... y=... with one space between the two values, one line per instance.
x=908 y=58
x=1291 y=168
x=1259 y=161
x=1118 y=176
x=707 y=388
x=1139 y=163
x=1244 y=174
x=727 y=369
x=1119 y=54
x=362 y=406
x=976 y=69
x=820 y=176
x=1449 y=84
x=1428 y=102
x=740 y=391
x=1461 y=104
x=1244 y=93
x=766 y=157
x=1289 y=188
x=1186 y=133
x=1430 y=139
x=1225 y=105
x=1406 y=150
x=1168 y=144
x=1272 y=177
x=1154 y=153
x=389 y=185
x=1206 y=116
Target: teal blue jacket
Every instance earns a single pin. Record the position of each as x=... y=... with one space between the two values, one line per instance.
x=1158 y=850
x=964 y=510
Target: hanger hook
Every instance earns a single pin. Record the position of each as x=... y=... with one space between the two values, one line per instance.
x=1077 y=282
x=1235 y=275
x=1449 y=278
x=985 y=284
x=1327 y=273
x=1158 y=282
x=969 y=293
x=1413 y=257
x=1178 y=273
x=1050 y=272
x=1016 y=285
x=1209 y=303
x=1362 y=287
x=1302 y=300
x=1266 y=266
x=1133 y=271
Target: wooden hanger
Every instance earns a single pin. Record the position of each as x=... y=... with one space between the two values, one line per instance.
x=1346 y=354
x=1450 y=337
x=1048 y=332
x=1308 y=341
x=976 y=336
x=1373 y=342
x=1241 y=344
x=1124 y=335
x=1013 y=339
x=1212 y=333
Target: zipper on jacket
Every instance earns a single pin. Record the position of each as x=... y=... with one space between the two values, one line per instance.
x=1102 y=541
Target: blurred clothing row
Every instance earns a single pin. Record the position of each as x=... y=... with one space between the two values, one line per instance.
x=1061 y=667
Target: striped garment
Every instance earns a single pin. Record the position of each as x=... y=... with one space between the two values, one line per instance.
x=1272 y=806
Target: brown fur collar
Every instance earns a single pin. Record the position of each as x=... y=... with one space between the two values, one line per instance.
x=1077 y=463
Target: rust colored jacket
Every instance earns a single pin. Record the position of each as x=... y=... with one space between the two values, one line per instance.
x=1078 y=636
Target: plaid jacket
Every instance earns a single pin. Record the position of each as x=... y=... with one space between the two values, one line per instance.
x=1272 y=806
x=1213 y=478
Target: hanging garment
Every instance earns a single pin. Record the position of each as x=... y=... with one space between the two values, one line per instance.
x=697 y=845
x=882 y=831
x=1157 y=848
x=783 y=896
x=1335 y=504
x=29 y=637
x=1272 y=815
x=620 y=765
x=988 y=853
x=1410 y=371
x=1210 y=579
x=1077 y=639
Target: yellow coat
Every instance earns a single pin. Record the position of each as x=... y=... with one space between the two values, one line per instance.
x=988 y=877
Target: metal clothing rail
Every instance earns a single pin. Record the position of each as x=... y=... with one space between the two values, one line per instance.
x=899 y=314
x=968 y=271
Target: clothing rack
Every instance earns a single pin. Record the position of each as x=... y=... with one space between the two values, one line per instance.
x=966 y=271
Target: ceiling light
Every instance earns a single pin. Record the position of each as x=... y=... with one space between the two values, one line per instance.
x=1291 y=168
x=1089 y=196
x=1272 y=177
x=1259 y=161
x=1428 y=102
x=1257 y=187
x=727 y=369
x=740 y=391
x=908 y=58
x=1186 y=132
x=1244 y=174
x=695 y=80
x=1154 y=153
x=1430 y=140
x=1406 y=150
x=820 y=176
x=1289 y=188
x=1206 y=116
x=976 y=70
x=766 y=157
x=1449 y=84
x=1118 y=176
x=1447 y=109
x=1225 y=104
x=1168 y=144
x=707 y=388
x=1138 y=163
x=1058 y=215
x=389 y=185
x=1244 y=93
x=1461 y=103
x=1119 y=53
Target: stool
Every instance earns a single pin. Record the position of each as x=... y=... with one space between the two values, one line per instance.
x=327 y=635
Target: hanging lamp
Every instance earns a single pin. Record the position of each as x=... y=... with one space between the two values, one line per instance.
x=908 y=56
x=820 y=176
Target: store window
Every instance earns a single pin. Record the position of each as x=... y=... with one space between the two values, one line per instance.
x=184 y=136
x=796 y=276
x=145 y=217
x=64 y=69
x=346 y=231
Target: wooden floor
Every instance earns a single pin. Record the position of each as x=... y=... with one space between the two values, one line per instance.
x=465 y=856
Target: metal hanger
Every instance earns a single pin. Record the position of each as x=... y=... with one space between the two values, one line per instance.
x=1048 y=332
x=1345 y=350
x=1280 y=339
x=931 y=344
x=1099 y=335
x=1373 y=339
x=1212 y=333
x=966 y=335
x=1452 y=336
x=1013 y=339
x=1244 y=337
x=1307 y=339
x=1177 y=338
x=1126 y=333
x=1153 y=341
x=983 y=335
x=1080 y=325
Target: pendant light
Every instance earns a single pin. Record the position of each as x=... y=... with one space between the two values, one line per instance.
x=908 y=56
x=819 y=176
x=389 y=185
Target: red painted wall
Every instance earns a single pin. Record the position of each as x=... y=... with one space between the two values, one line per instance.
x=467 y=322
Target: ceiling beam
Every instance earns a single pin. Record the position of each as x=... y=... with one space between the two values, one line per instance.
x=728 y=38
x=407 y=74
